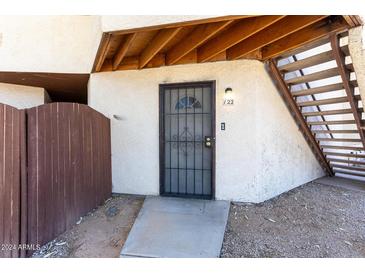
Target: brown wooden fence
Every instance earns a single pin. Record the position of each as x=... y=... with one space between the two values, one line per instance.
x=68 y=165
x=11 y=130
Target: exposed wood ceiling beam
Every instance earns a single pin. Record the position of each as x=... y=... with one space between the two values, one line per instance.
x=102 y=51
x=306 y=35
x=123 y=50
x=296 y=114
x=353 y=20
x=280 y=29
x=200 y=35
x=235 y=34
x=345 y=76
x=158 y=42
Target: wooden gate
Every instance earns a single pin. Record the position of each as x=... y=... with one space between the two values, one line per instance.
x=69 y=167
x=12 y=128
x=55 y=167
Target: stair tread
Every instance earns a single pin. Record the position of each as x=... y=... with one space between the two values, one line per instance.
x=336 y=122
x=348 y=155
x=349 y=173
x=317 y=59
x=322 y=89
x=330 y=112
x=328 y=101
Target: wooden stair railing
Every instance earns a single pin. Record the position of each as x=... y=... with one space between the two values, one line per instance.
x=321 y=133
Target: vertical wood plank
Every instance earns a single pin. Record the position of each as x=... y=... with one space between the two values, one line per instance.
x=69 y=166
x=23 y=184
x=10 y=180
x=2 y=180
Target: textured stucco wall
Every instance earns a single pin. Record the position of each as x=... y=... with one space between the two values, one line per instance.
x=357 y=52
x=118 y=22
x=21 y=96
x=65 y=44
x=260 y=155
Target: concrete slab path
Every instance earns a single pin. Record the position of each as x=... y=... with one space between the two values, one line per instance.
x=342 y=182
x=177 y=228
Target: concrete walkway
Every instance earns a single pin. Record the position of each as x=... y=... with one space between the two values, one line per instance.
x=177 y=228
x=342 y=182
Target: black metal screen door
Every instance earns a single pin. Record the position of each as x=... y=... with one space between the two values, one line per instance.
x=187 y=139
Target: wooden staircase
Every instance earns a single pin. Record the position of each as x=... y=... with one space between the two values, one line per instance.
x=321 y=92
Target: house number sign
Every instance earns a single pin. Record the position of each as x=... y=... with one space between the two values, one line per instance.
x=228 y=102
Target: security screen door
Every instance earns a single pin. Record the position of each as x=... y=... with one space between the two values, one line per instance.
x=187 y=139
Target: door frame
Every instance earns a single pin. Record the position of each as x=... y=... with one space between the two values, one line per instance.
x=162 y=87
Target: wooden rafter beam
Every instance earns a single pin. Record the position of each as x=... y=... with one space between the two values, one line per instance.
x=280 y=29
x=158 y=42
x=123 y=50
x=199 y=36
x=235 y=34
x=353 y=20
x=349 y=89
x=297 y=115
x=309 y=34
x=102 y=52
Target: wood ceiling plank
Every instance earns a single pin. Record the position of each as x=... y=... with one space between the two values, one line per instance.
x=235 y=34
x=199 y=36
x=297 y=39
x=349 y=20
x=280 y=29
x=123 y=50
x=157 y=43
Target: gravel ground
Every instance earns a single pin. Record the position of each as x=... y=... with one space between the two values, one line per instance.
x=314 y=220
x=100 y=234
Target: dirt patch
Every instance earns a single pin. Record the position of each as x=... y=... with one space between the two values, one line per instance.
x=310 y=221
x=100 y=234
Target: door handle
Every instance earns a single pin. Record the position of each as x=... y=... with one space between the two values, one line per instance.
x=208 y=141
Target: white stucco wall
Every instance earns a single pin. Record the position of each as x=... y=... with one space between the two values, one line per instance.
x=357 y=52
x=118 y=22
x=65 y=44
x=21 y=96
x=260 y=154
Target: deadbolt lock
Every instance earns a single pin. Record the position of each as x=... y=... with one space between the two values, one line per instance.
x=208 y=141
